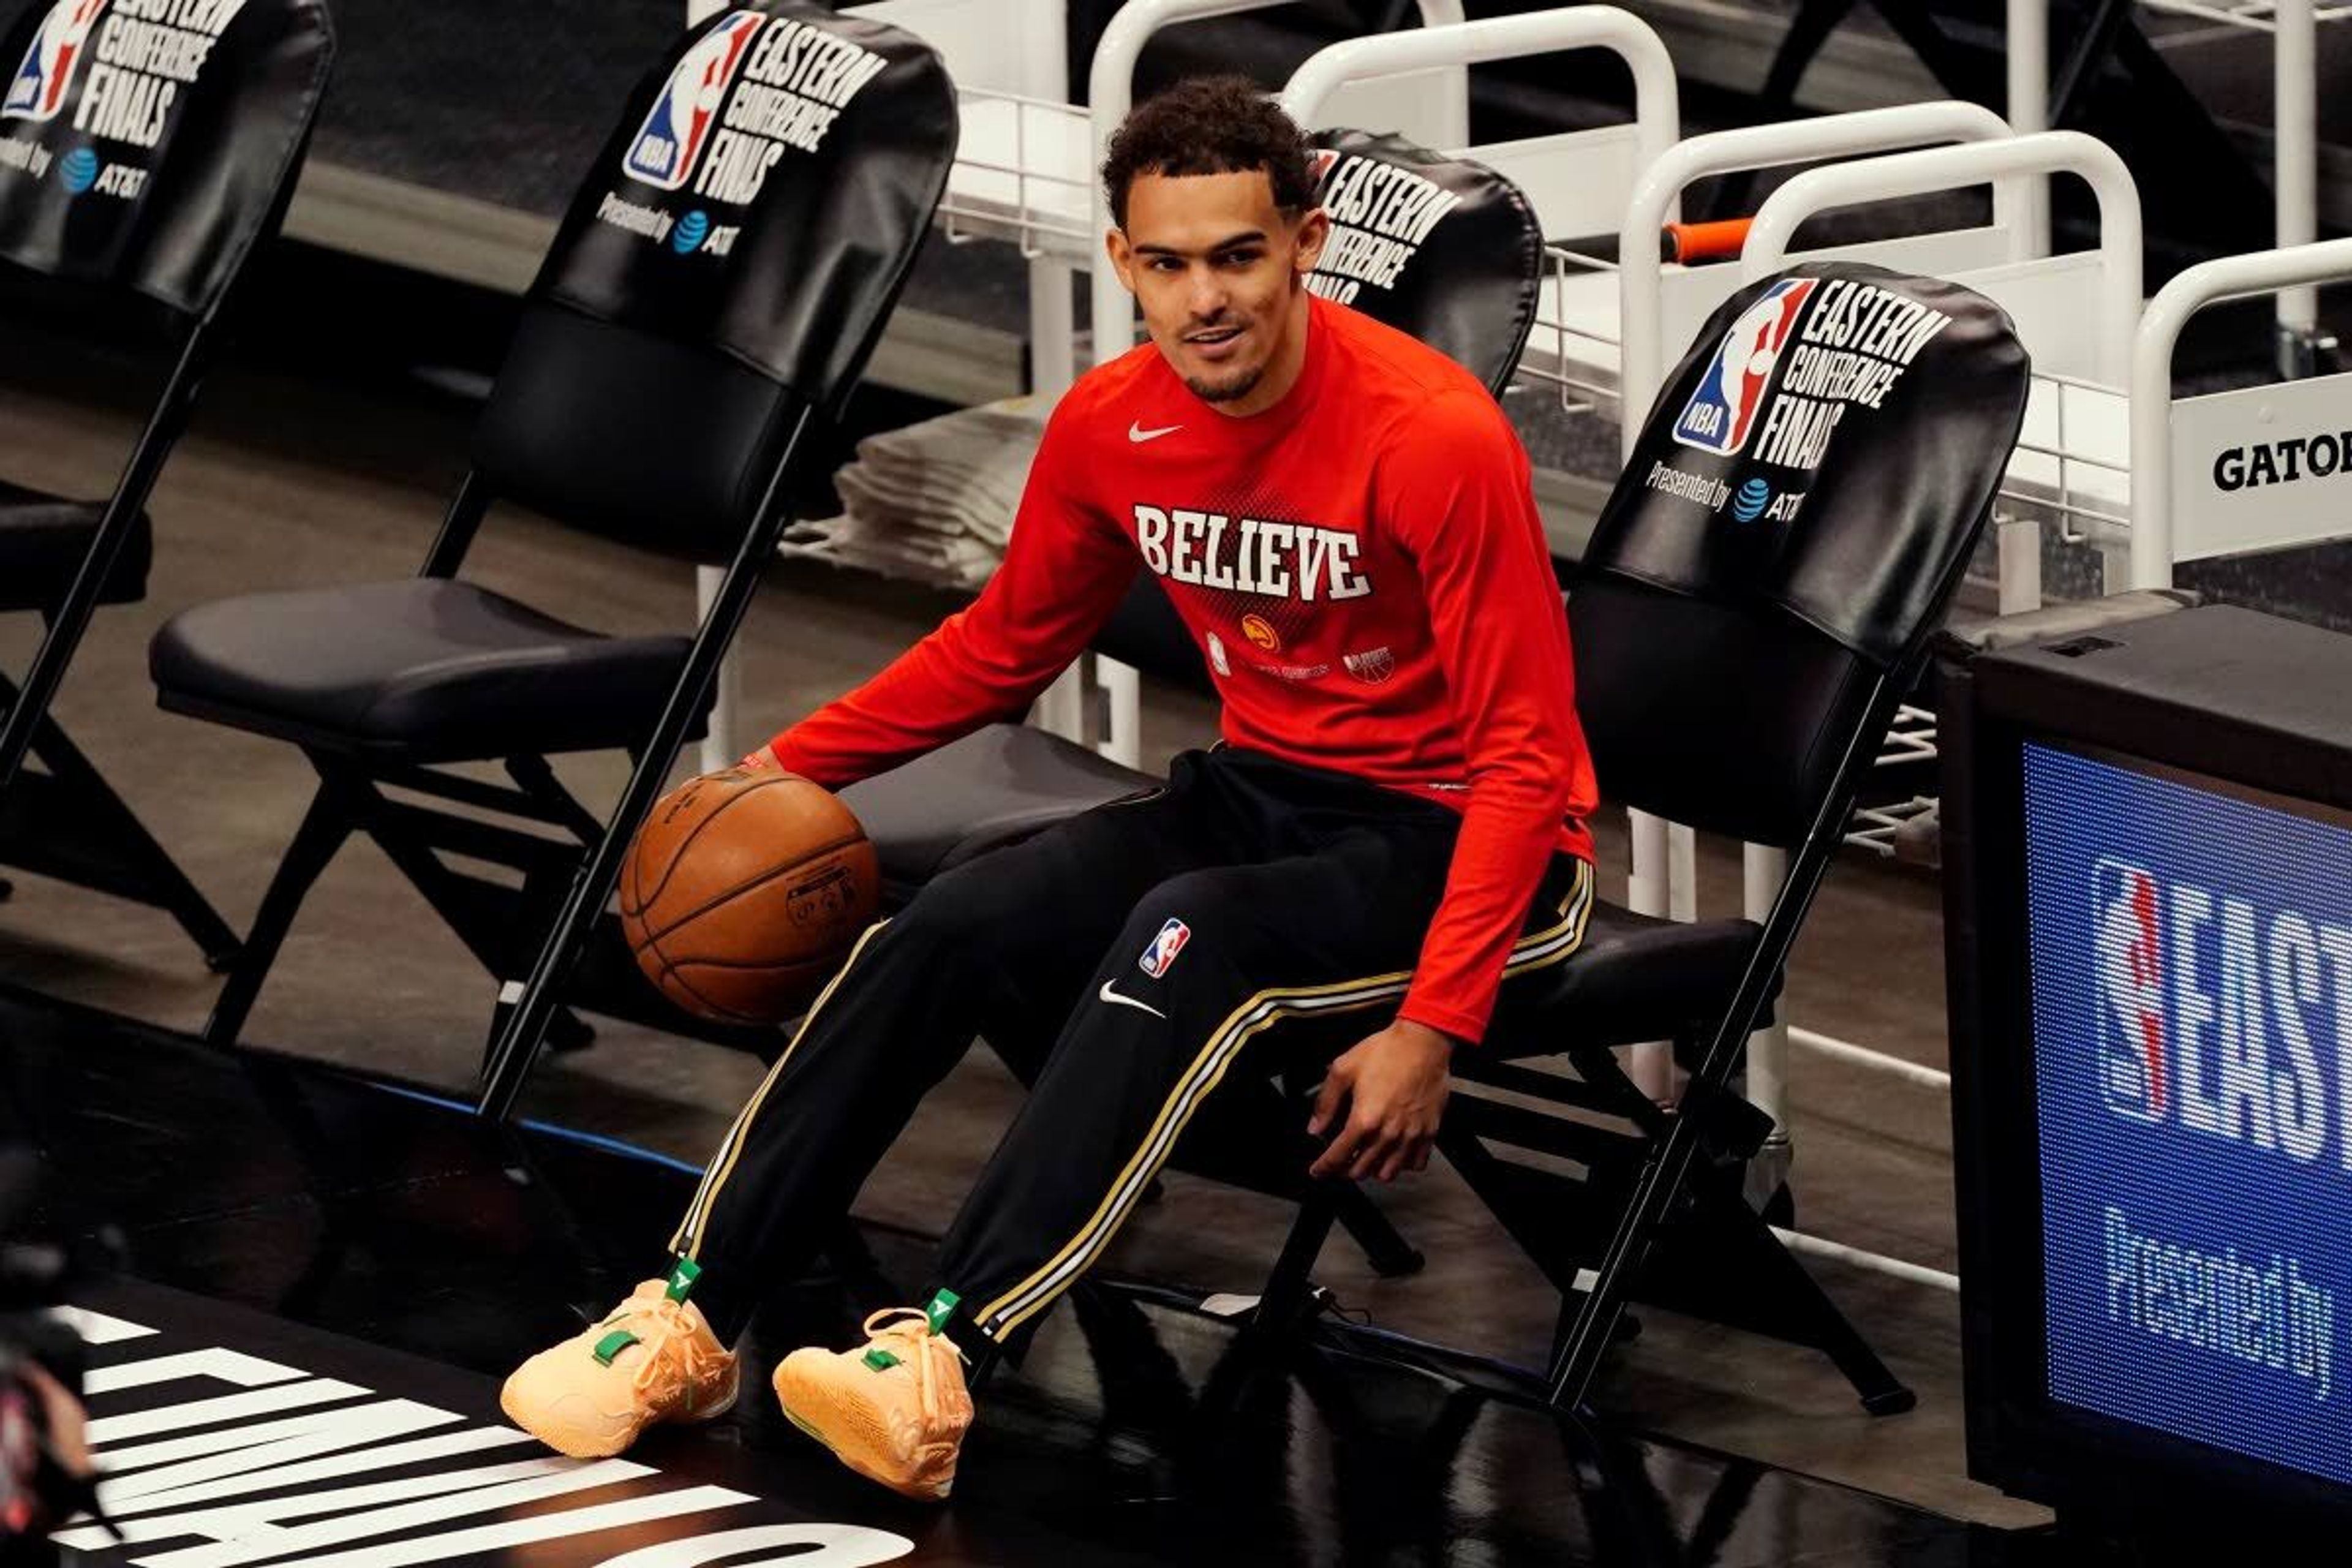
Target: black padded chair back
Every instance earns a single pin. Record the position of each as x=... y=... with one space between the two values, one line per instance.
x=1440 y=247
x=148 y=156
x=1812 y=480
x=633 y=435
x=730 y=264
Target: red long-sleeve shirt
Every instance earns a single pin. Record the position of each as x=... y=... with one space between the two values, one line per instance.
x=1365 y=571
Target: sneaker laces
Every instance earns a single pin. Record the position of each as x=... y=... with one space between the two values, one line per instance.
x=661 y=1377
x=913 y=1326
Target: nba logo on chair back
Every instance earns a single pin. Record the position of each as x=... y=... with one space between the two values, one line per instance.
x=38 y=89
x=1722 y=412
x=2135 y=1061
x=671 y=142
x=1164 y=948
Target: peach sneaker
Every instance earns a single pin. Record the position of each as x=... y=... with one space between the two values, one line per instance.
x=895 y=1411
x=653 y=1360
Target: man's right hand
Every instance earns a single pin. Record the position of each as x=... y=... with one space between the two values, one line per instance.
x=762 y=761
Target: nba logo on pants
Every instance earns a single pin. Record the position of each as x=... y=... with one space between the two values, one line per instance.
x=1723 y=410
x=39 y=87
x=670 y=143
x=1164 y=948
x=2128 y=954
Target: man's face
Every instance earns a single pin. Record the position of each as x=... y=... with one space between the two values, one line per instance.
x=1219 y=272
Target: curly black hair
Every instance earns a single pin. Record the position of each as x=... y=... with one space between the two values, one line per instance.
x=1210 y=125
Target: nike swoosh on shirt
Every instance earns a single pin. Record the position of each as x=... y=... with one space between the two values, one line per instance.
x=1108 y=995
x=1138 y=435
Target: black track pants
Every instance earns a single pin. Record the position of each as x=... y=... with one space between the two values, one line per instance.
x=1124 y=962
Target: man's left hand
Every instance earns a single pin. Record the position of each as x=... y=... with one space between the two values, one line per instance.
x=1394 y=1086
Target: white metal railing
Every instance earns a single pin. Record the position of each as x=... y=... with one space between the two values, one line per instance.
x=2156 y=540
x=1576 y=181
x=2294 y=78
x=1038 y=199
x=1597 y=314
x=1645 y=278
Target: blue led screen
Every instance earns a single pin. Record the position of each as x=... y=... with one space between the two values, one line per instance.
x=2192 y=976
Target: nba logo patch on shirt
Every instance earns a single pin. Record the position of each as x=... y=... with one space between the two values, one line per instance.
x=1164 y=948
x=671 y=142
x=39 y=86
x=1722 y=412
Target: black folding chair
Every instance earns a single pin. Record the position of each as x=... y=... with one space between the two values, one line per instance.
x=1470 y=288
x=139 y=226
x=1744 y=629
x=712 y=296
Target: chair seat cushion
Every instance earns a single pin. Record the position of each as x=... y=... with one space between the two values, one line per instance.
x=421 y=670
x=43 y=538
x=993 y=788
x=1635 y=978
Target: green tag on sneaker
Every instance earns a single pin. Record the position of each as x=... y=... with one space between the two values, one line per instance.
x=880 y=1360
x=612 y=1344
x=682 y=1278
x=942 y=1308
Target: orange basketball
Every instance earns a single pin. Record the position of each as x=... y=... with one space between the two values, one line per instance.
x=744 y=891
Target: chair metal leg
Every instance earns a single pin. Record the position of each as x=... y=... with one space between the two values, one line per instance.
x=1768 y=1273
x=324 y=827
x=1385 y=1248
x=523 y=1032
x=69 y=618
x=1289 y=1290
x=146 y=861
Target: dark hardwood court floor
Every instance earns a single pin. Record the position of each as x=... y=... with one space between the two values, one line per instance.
x=326 y=1273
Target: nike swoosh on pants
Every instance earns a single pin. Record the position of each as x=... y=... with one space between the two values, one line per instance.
x=1108 y=995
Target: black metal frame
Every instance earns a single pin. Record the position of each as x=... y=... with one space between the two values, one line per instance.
x=521 y=1026
x=567 y=881
x=68 y=822
x=2205 y=210
x=1674 y=1141
x=1684 y=1235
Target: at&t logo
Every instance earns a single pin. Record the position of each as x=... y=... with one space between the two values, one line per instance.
x=1753 y=497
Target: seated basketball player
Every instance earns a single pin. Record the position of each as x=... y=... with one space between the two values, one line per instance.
x=1395 y=823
